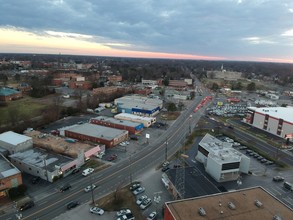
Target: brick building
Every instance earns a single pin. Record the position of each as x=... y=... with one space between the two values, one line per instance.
x=131 y=127
x=8 y=94
x=97 y=134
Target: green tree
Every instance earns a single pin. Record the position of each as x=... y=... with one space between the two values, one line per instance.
x=215 y=87
x=251 y=87
x=166 y=81
x=171 y=107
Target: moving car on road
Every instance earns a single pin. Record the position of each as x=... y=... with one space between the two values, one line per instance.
x=65 y=187
x=87 y=171
x=72 y=204
x=89 y=188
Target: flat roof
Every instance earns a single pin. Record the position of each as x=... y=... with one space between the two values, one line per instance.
x=127 y=115
x=13 y=138
x=216 y=206
x=7 y=168
x=97 y=131
x=8 y=91
x=36 y=157
x=196 y=184
x=144 y=106
x=117 y=121
x=221 y=152
x=285 y=113
x=136 y=99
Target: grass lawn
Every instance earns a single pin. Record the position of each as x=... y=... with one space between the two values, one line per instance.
x=21 y=109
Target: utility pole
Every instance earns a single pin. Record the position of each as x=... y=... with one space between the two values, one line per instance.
x=92 y=189
x=190 y=116
x=166 y=150
x=46 y=169
x=130 y=168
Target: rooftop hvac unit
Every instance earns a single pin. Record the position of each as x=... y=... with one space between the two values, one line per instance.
x=231 y=205
x=201 y=211
x=258 y=203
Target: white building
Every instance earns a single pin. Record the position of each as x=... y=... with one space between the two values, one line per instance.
x=47 y=166
x=220 y=160
x=14 y=142
x=146 y=121
x=275 y=120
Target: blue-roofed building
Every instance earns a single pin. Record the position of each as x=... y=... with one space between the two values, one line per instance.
x=139 y=105
x=8 y=94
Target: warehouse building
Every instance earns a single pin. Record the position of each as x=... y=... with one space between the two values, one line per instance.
x=250 y=203
x=220 y=160
x=43 y=164
x=275 y=120
x=10 y=176
x=14 y=142
x=97 y=134
x=131 y=127
x=139 y=105
x=146 y=121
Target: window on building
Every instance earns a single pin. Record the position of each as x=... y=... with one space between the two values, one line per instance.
x=231 y=166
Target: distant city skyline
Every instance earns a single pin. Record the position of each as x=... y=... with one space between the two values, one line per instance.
x=243 y=30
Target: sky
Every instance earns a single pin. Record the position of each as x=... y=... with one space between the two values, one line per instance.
x=244 y=30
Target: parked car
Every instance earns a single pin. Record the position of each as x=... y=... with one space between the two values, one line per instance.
x=152 y=215
x=112 y=157
x=139 y=190
x=76 y=170
x=89 y=188
x=166 y=163
x=128 y=216
x=65 y=187
x=146 y=203
x=36 y=180
x=164 y=169
x=278 y=178
x=87 y=171
x=96 y=210
x=134 y=186
x=123 y=144
x=123 y=212
x=27 y=205
x=133 y=137
x=141 y=199
x=72 y=204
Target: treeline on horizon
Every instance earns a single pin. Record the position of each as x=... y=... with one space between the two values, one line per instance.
x=162 y=66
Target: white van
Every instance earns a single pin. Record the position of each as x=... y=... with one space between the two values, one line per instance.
x=87 y=171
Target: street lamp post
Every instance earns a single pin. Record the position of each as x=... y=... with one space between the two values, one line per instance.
x=166 y=150
x=46 y=169
x=92 y=189
x=130 y=170
x=190 y=116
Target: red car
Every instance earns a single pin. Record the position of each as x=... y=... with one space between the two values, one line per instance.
x=112 y=157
